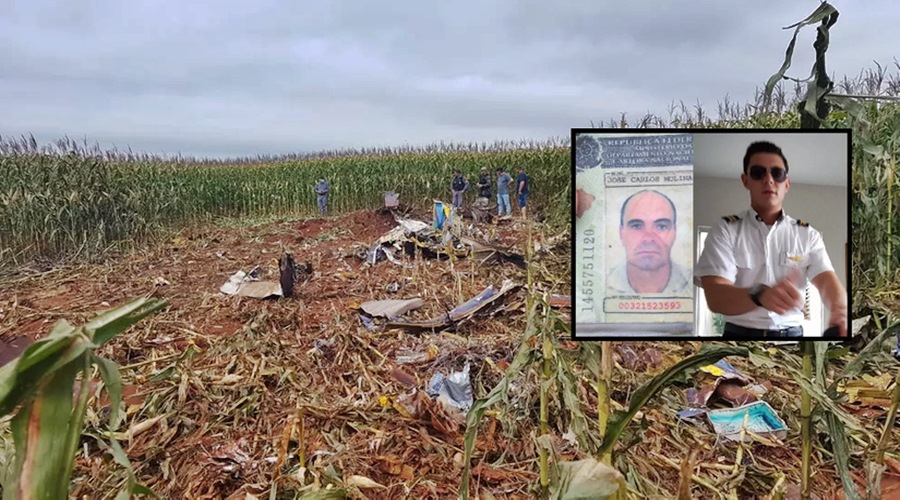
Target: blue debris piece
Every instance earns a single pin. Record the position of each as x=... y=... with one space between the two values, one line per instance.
x=763 y=421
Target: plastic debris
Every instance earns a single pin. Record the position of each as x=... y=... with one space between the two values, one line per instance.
x=455 y=389
x=762 y=421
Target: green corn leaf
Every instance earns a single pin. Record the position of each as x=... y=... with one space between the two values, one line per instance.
x=38 y=428
x=856 y=365
x=577 y=420
x=19 y=378
x=132 y=486
x=822 y=11
x=827 y=404
x=110 y=323
x=112 y=381
x=620 y=419
x=841 y=450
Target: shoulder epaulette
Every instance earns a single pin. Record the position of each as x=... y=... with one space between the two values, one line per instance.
x=802 y=224
x=731 y=218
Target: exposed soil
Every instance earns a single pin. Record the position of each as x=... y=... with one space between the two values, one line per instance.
x=248 y=391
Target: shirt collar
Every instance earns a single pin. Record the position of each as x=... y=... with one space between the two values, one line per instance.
x=781 y=215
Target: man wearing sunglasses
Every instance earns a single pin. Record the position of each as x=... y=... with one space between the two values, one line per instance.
x=755 y=265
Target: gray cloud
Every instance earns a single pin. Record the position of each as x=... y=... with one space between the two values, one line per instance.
x=234 y=78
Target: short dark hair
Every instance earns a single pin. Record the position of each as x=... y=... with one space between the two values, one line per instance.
x=763 y=147
x=627 y=200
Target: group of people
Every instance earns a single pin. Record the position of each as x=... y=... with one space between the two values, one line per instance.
x=460 y=185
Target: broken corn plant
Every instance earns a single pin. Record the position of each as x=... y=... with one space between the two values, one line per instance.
x=47 y=428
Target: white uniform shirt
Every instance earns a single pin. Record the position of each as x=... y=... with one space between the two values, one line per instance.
x=747 y=252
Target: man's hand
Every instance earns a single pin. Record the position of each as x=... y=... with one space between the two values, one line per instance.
x=838 y=318
x=784 y=296
x=835 y=298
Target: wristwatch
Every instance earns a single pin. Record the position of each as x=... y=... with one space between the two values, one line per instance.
x=755 y=292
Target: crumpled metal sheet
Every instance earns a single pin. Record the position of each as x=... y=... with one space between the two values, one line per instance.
x=391 y=308
x=462 y=311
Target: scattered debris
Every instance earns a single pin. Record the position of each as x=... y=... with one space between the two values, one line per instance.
x=419 y=357
x=461 y=312
x=455 y=389
x=391 y=199
x=560 y=301
x=248 y=284
x=390 y=308
x=490 y=254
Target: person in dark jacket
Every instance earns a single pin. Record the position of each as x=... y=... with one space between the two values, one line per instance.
x=458 y=186
x=322 y=189
x=484 y=184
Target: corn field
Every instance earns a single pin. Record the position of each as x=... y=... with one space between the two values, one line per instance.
x=70 y=200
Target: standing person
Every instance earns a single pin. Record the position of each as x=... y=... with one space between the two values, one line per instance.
x=522 y=189
x=458 y=186
x=503 y=182
x=322 y=189
x=756 y=264
x=484 y=184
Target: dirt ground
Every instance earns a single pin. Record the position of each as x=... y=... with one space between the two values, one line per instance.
x=252 y=366
x=227 y=396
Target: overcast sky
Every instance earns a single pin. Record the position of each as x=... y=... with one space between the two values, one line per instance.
x=234 y=78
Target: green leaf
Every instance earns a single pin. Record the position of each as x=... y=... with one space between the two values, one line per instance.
x=579 y=423
x=112 y=382
x=38 y=428
x=841 y=451
x=132 y=486
x=852 y=106
x=18 y=379
x=110 y=323
x=820 y=349
x=856 y=365
x=824 y=10
x=709 y=354
x=818 y=394
x=814 y=92
x=76 y=424
x=876 y=150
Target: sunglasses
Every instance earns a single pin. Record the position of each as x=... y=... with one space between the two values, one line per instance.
x=758 y=173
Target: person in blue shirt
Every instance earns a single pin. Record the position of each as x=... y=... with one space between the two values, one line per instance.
x=522 y=189
x=322 y=189
x=503 y=182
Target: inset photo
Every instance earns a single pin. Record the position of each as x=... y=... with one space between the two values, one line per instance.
x=711 y=234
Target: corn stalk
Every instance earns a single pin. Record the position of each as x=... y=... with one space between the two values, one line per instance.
x=47 y=428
